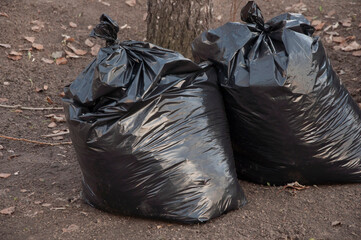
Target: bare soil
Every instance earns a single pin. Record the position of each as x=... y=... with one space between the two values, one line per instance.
x=44 y=185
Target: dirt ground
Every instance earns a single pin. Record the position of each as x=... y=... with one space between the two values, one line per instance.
x=44 y=185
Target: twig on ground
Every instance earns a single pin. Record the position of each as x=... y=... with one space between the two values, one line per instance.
x=56 y=134
x=31 y=108
x=35 y=142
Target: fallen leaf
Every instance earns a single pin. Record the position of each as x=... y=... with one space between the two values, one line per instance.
x=145 y=15
x=15 y=53
x=295 y=186
x=95 y=49
x=319 y=26
x=316 y=22
x=159 y=226
x=38 y=90
x=5 y=45
x=346 y=22
x=57 y=54
x=61 y=61
x=89 y=43
x=71 y=228
x=48 y=99
x=330 y=13
x=67 y=38
x=73 y=25
x=37 y=22
x=45 y=87
x=30 y=39
x=36 y=28
x=131 y=3
x=5 y=175
x=46 y=60
x=2 y=100
x=351 y=47
x=335 y=223
x=18 y=111
x=52 y=125
x=71 y=55
x=75 y=50
x=23 y=190
x=338 y=39
x=38 y=46
x=15 y=56
x=62 y=94
x=8 y=211
x=4 y=14
x=333 y=33
x=106 y=3
x=356 y=53
x=90 y=27
x=334 y=26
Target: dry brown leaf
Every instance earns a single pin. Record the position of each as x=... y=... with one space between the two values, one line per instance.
x=46 y=87
x=5 y=45
x=62 y=94
x=46 y=60
x=356 y=53
x=131 y=3
x=319 y=26
x=71 y=55
x=350 y=38
x=48 y=99
x=346 y=22
x=71 y=228
x=330 y=13
x=351 y=47
x=30 y=39
x=36 y=28
x=61 y=61
x=75 y=50
x=338 y=39
x=73 y=25
x=52 y=125
x=8 y=211
x=38 y=46
x=89 y=43
x=18 y=111
x=95 y=49
x=316 y=22
x=15 y=53
x=39 y=23
x=4 y=14
x=38 y=90
x=57 y=54
x=15 y=56
x=5 y=175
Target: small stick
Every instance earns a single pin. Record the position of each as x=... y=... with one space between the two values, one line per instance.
x=36 y=142
x=31 y=108
x=56 y=134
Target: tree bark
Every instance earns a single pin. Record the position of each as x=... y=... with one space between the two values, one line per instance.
x=174 y=24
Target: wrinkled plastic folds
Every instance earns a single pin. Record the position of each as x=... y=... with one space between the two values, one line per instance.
x=151 y=134
x=290 y=117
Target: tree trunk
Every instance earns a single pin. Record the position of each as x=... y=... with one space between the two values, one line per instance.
x=174 y=24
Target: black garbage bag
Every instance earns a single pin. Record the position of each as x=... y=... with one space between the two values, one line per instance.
x=151 y=134
x=290 y=117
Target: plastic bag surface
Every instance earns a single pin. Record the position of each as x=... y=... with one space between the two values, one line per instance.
x=150 y=132
x=291 y=119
